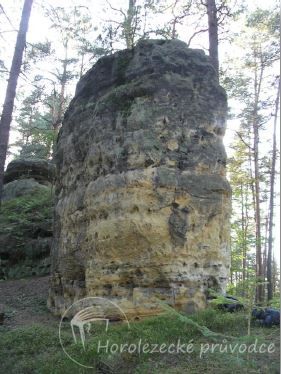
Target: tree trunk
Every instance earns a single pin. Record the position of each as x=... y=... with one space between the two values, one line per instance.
x=58 y=122
x=255 y=124
x=244 y=227
x=82 y=65
x=271 y=201
x=6 y=117
x=174 y=21
x=275 y=276
x=59 y=103
x=128 y=24
x=213 y=34
x=257 y=212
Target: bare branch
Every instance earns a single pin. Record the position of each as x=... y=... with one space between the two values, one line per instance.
x=196 y=33
x=111 y=20
x=5 y=14
x=241 y=138
x=5 y=31
x=202 y=2
x=115 y=9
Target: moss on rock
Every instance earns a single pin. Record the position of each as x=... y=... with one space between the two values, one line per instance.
x=25 y=235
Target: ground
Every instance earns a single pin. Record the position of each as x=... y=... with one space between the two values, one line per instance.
x=30 y=343
x=24 y=302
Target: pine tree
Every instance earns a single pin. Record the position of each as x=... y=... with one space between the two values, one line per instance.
x=251 y=84
x=6 y=117
x=272 y=196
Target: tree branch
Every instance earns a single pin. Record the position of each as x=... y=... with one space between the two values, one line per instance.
x=196 y=33
x=115 y=9
x=241 y=138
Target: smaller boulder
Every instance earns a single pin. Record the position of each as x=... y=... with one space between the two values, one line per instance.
x=42 y=171
x=21 y=187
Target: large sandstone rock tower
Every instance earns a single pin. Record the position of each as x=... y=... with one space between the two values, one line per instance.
x=143 y=204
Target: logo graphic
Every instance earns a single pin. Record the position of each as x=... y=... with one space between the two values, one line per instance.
x=88 y=318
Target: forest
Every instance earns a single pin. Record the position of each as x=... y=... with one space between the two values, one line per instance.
x=46 y=47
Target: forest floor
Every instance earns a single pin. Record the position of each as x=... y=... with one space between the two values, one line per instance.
x=24 y=302
x=29 y=341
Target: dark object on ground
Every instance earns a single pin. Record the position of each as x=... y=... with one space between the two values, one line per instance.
x=232 y=306
x=2 y=316
x=258 y=313
x=231 y=303
x=267 y=317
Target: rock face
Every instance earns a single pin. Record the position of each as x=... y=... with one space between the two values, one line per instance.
x=143 y=204
x=26 y=219
x=40 y=170
x=21 y=187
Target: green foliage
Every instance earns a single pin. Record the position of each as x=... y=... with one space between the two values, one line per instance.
x=37 y=348
x=35 y=127
x=37 y=52
x=250 y=83
x=72 y=22
x=22 y=212
x=275 y=302
x=20 y=219
x=204 y=330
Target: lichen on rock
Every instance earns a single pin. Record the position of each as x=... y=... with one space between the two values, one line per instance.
x=143 y=205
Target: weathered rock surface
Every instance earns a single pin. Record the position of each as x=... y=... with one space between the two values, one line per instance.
x=40 y=170
x=26 y=223
x=21 y=187
x=143 y=204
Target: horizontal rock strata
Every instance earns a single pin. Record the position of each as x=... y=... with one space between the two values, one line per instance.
x=143 y=205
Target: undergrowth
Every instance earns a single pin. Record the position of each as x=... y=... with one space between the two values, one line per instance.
x=37 y=349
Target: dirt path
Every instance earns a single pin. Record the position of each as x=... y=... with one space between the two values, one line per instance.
x=24 y=301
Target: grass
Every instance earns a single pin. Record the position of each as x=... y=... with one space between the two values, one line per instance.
x=36 y=348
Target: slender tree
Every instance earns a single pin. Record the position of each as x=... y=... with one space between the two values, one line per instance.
x=252 y=87
x=130 y=24
x=271 y=199
x=218 y=13
x=213 y=34
x=6 y=117
x=258 y=79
